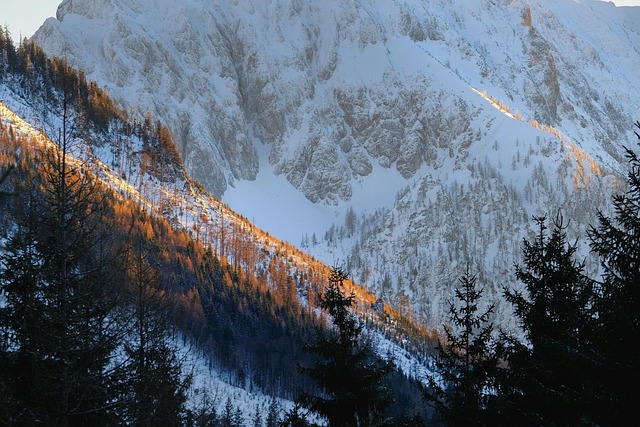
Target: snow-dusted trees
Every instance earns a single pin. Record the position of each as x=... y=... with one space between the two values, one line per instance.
x=350 y=222
x=69 y=352
x=574 y=364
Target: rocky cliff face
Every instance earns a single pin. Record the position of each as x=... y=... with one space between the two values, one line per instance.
x=336 y=88
x=329 y=94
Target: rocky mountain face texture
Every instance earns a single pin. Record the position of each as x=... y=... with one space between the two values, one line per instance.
x=467 y=116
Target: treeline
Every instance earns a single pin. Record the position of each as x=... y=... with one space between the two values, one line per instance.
x=576 y=363
x=42 y=79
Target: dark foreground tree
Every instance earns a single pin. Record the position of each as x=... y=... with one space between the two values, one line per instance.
x=617 y=242
x=295 y=418
x=155 y=384
x=347 y=370
x=273 y=414
x=467 y=361
x=547 y=378
x=57 y=316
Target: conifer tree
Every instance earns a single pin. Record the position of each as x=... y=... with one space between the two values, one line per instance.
x=467 y=362
x=257 y=418
x=545 y=382
x=617 y=242
x=8 y=55
x=237 y=417
x=295 y=418
x=156 y=388
x=347 y=370
x=53 y=276
x=273 y=415
x=205 y=413
x=3 y=177
x=226 y=417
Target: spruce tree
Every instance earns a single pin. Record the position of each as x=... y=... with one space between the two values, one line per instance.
x=205 y=413
x=273 y=414
x=156 y=387
x=347 y=370
x=617 y=242
x=58 y=309
x=467 y=360
x=295 y=418
x=257 y=418
x=237 y=417
x=226 y=417
x=546 y=381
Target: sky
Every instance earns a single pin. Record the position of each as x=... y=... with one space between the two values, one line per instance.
x=24 y=17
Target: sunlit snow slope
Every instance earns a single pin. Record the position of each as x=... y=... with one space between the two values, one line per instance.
x=297 y=112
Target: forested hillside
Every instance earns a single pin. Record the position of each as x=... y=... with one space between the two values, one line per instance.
x=112 y=256
x=438 y=127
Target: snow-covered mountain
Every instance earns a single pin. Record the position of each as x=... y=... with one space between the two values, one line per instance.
x=32 y=118
x=408 y=139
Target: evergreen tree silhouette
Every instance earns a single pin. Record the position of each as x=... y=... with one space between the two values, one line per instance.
x=545 y=382
x=347 y=370
x=467 y=361
x=617 y=242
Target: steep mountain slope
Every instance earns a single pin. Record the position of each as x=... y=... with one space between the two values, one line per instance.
x=375 y=106
x=235 y=290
